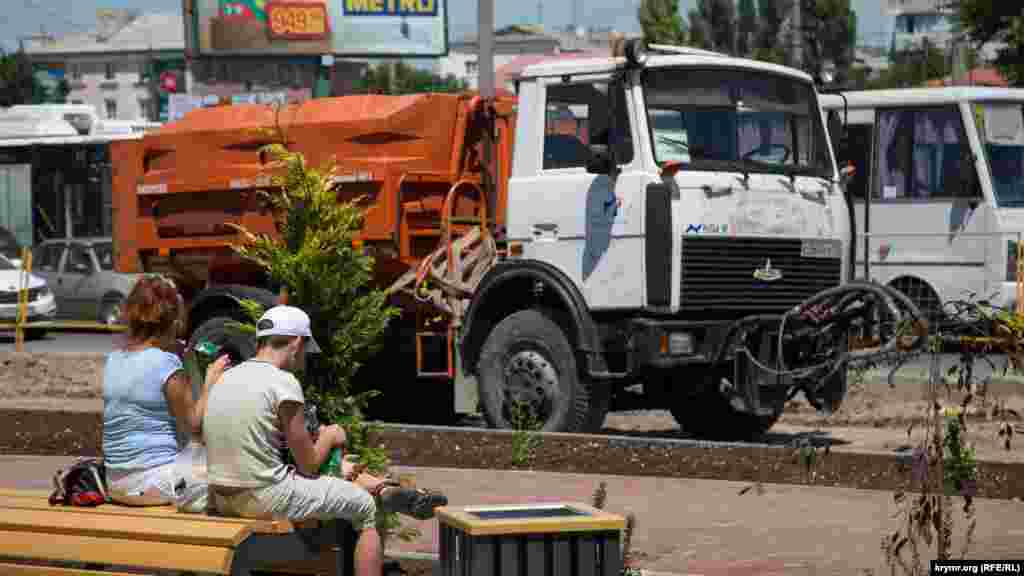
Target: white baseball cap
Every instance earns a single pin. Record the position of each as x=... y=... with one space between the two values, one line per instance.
x=287 y=321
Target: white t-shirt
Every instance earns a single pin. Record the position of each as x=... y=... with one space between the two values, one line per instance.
x=242 y=428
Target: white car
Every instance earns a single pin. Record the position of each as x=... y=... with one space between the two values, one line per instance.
x=41 y=303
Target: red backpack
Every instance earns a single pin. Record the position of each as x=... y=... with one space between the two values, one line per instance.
x=81 y=484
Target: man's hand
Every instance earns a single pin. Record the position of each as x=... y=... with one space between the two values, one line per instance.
x=334 y=434
x=216 y=369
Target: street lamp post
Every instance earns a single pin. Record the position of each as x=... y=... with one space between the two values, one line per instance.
x=485 y=68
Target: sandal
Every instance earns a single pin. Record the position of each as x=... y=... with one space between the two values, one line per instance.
x=416 y=502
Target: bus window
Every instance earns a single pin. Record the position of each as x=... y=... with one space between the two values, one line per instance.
x=919 y=154
x=859 y=138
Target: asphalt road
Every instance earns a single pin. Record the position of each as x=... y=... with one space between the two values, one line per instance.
x=63 y=342
x=100 y=342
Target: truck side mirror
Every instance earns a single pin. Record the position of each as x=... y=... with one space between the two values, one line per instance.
x=970 y=187
x=600 y=161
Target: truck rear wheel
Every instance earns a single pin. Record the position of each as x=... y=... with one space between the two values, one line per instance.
x=709 y=415
x=223 y=333
x=528 y=378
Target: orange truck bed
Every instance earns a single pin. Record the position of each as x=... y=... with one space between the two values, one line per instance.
x=174 y=190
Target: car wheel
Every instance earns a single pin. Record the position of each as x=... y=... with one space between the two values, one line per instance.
x=35 y=333
x=110 y=312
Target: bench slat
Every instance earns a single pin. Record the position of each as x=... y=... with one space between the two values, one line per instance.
x=8 y=569
x=32 y=502
x=152 y=528
x=158 y=555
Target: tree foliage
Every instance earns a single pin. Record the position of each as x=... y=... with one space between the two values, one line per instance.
x=401 y=78
x=315 y=259
x=324 y=272
x=18 y=84
x=716 y=22
x=746 y=39
x=770 y=17
x=661 y=22
x=986 y=21
x=828 y=34
x=910 y=68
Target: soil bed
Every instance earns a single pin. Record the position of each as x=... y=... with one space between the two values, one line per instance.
x=77 y=433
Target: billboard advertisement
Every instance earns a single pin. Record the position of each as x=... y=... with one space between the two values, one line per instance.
x=353 y=28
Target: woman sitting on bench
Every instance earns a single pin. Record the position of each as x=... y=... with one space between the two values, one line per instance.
x=148 y=408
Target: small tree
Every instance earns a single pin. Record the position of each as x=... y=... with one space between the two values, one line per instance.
x=323 y=272
x=661 y=22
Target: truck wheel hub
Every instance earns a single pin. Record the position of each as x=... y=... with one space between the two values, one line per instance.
x=530 y=381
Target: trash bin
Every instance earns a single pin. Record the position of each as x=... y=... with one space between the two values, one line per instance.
x=560 y=539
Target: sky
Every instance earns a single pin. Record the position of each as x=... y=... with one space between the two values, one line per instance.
x=58 y=17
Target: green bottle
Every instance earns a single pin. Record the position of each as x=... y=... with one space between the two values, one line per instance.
x=332 y=466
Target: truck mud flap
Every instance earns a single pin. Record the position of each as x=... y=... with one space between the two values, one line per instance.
x=750 y=380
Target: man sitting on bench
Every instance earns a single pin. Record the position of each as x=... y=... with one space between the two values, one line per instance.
x=258 y=405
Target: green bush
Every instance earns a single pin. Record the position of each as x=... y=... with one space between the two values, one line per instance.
x=314 y=260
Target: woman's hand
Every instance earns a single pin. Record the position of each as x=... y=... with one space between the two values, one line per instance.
x=216 y=369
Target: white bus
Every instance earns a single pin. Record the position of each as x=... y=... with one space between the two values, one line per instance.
x=938 y=189
x=55 y=173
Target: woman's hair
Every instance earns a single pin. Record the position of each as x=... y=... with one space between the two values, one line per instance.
x=154 y=310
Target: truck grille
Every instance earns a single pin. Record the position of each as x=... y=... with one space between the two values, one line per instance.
x=12 y=297
x=718 y=275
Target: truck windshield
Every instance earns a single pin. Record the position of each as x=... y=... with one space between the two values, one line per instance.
x=735 y=120
x=1001 y=129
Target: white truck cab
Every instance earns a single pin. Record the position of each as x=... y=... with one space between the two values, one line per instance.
x=655 y=200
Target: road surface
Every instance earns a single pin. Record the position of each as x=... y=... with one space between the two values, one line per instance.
x=99 y=343
x=63 y=342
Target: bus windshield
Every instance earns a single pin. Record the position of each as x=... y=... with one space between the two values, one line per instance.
x=1001 y=128
x=735 y=120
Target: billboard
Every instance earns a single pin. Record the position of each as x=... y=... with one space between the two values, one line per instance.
x=353 y=28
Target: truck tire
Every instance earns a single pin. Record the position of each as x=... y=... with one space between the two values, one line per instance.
x=709 y=415
x=527 y=358
x=220 y=330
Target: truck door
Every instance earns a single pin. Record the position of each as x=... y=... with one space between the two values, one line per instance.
x=587 y=225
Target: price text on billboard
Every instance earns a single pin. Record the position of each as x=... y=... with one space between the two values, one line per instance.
x=297 y=21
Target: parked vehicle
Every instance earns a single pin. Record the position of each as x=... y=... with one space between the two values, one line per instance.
x=81 y=273
x=939 y=189
x=41 y=303
x=9 y=247
x=632 y=211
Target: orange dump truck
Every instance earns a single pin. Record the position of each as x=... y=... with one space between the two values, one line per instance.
x=411 y=158
x=650 y=202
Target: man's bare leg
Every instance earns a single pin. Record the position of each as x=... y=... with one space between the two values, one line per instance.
x=369 y=554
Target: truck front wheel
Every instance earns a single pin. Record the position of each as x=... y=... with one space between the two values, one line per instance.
x=528 y=377
x=709 y=415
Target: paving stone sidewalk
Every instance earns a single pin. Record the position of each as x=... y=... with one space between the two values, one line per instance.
x=688 y=526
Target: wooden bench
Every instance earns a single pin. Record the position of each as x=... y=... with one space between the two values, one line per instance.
x=161 y=538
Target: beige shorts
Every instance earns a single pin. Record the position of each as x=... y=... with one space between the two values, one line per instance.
x=301 y=498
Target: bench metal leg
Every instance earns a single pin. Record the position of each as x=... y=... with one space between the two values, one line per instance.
x=345 y=560
x=262 y=550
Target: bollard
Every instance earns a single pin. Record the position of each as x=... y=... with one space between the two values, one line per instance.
x=19 y=327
